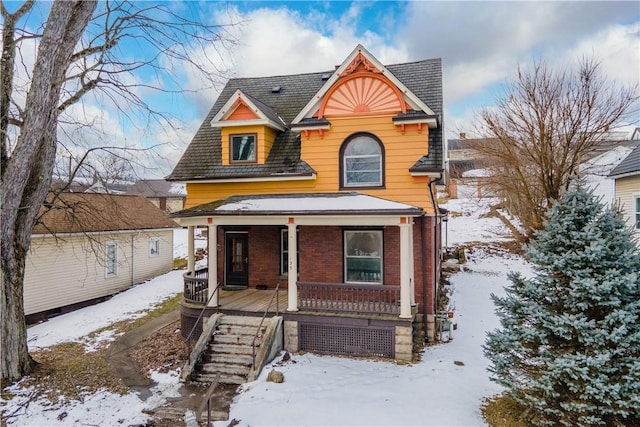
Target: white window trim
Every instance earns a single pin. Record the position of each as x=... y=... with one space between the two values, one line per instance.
x=363 y=184
x=114 y=273
x=154 y=243
x=381 y=257
x=636 y=212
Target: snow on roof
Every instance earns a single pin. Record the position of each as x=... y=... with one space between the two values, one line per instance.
x=476 y=173
x=319 y=204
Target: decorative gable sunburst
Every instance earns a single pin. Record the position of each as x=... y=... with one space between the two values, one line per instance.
x=362 y=93
x=241 y=110
x=362 y=85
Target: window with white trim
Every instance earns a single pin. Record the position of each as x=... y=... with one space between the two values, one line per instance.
x=154 y=246
x=243 y=148
x=284 y=252
x=363 y=256
x=637 y=212
x=362 y=162
x=111 y=259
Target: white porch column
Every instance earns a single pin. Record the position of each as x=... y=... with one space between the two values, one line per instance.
x=412 y=264
x=212 y=258
x=405 y=266
x=292 y=275
x=191 y=257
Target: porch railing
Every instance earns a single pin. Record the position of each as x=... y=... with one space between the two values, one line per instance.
x=196 y=285
x=342 y=297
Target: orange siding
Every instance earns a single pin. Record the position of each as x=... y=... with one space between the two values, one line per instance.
x=242 y=113
x=402 y=150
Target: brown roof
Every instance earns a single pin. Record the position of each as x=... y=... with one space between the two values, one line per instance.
x=92 y=212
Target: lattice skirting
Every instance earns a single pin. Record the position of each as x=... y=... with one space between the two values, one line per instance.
x=347 y=340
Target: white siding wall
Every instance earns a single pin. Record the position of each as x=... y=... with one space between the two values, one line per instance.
x=626 y=190
x=71 y=269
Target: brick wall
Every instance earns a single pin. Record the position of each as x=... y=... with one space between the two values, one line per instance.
x=321 y=256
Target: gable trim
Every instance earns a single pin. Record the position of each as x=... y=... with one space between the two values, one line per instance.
x=221 y=119
x=358 y=54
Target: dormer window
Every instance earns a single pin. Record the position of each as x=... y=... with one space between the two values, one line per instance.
x=362 y=162
x=243 y=148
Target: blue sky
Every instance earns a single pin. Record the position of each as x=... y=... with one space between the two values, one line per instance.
x=481 y=45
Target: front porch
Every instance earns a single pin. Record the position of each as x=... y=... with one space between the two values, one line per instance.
x=360 y=299
x=345 y=267
x=332 y=318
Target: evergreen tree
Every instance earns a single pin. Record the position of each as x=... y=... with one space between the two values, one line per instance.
x=568 y=349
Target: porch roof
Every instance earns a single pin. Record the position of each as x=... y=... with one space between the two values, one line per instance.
x=325 y=204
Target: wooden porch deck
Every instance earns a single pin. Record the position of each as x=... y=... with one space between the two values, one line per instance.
x=252 y=301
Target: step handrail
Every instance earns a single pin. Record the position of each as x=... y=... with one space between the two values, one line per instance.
x=206 y=401
x=188 y=338
x=266 y=310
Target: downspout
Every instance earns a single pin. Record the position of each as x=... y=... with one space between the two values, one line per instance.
x=133 y=237
x=435 y=254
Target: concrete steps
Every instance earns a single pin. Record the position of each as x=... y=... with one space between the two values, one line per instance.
x=230 y=350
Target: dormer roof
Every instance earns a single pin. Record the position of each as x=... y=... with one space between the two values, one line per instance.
x=262 y=114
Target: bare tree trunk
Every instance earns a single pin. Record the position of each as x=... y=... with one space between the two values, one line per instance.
x=26 y=176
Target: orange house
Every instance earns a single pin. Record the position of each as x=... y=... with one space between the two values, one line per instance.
x=322 y=184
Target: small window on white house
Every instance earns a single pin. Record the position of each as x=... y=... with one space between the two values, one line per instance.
x=363 y=256
x=111 y=259
x=637 y=212
x=154 y=246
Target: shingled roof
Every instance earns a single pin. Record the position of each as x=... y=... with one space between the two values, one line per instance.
x=94 y=212
x=202 y=159
x=629 y=166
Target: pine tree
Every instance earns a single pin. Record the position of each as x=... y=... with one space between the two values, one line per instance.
x=568 y=349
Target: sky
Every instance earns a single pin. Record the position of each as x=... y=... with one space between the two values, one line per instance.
x=481 y=44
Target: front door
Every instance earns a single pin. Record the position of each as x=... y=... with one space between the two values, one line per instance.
x=236 y=260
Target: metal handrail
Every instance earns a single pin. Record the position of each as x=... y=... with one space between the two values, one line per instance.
x=188 y=338
x=206 y=401
x=255 y=337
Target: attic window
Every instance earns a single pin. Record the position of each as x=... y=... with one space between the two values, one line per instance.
x=243 y=148
x=276 y=89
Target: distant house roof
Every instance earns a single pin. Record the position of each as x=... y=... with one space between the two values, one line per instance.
x=629 y=166
x=202 y=159
x=157 y=188
x=93 y=212
x=302 y=204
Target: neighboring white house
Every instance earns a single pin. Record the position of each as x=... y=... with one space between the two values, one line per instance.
x=87 y=247
x=627 y=188
x=597 y=169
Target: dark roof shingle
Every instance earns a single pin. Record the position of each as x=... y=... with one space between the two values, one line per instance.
x=629 y=166
x=96 y=212
x=203 y=157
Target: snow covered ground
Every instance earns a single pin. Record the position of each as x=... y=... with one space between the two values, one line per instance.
x=316 y=390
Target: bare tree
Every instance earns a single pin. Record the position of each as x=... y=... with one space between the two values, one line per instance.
x=79 y=52
x=542 y=128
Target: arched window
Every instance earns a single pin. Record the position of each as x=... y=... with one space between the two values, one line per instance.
x=362 y=162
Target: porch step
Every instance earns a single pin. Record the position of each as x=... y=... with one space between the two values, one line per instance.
x=231 y=348
x=229 y=352
x=225 y=368
x=236 y=359
x=248 y=331
x=224 y=378
x=240 y=321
